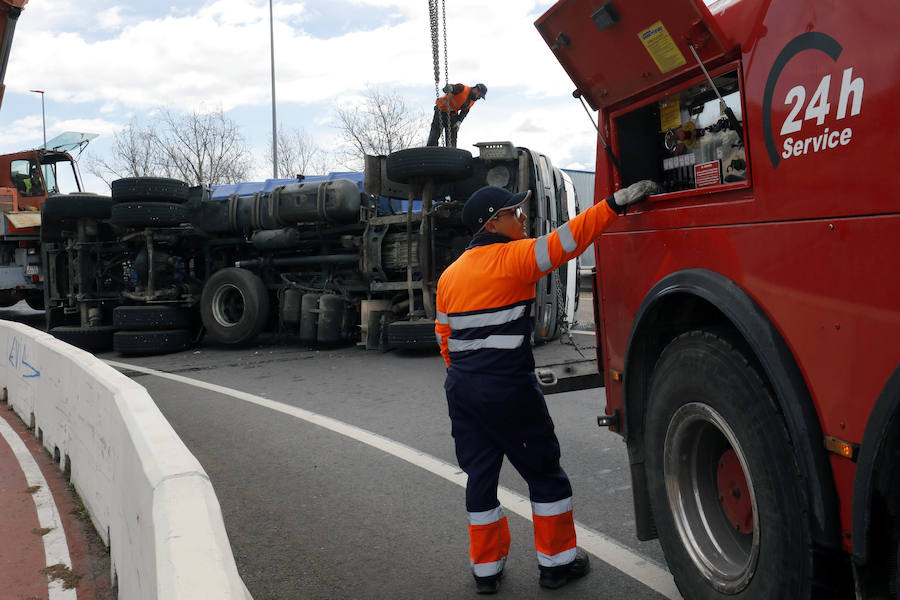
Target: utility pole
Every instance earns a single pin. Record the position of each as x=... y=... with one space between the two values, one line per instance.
x=274 y=122
x=44 y=114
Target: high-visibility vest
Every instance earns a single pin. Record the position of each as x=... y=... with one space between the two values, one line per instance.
x=484 y=298
x=454 y=103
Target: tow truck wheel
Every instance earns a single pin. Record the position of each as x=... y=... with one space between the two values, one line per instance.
x=151 y=342
x=234 y=306
x=149 y=189
x=152 y=317
x=725 y=490
x=69 y=206
x=431 y=162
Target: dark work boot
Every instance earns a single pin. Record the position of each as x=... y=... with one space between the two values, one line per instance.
x=556 y=577
x=488 y=585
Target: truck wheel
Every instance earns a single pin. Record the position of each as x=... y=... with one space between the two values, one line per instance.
x=92 y=339
x=149 y=189
x=434 y=162
x=234 y=306
x=725 y=489
x=70 y=206
x=151 y=317
x=151 y=342
x=148 y=214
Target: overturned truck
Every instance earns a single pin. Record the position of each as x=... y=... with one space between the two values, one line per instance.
x=158 y=265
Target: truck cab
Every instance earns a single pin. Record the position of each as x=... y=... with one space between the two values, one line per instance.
x=27 y=179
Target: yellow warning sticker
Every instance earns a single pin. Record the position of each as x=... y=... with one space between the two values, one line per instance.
x=662 y=48
x=669 y=113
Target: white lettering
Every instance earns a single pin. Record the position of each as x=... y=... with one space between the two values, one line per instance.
x=815 y=144
x=792 y=124
x=848 y=86
x=788 y=146
x=832 y=139
x=819 y=107
x=845 y=136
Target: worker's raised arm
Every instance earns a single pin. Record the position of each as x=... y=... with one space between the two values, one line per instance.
x=540 y=256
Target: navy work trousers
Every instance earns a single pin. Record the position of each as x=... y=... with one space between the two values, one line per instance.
x=497 y=415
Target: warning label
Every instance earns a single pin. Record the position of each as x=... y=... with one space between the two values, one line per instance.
x=669 y=113
x=662 y=48
x=707 y=174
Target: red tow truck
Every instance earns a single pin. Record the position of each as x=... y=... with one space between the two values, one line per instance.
x=748 y=317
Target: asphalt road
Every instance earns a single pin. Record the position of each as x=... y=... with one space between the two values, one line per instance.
x=314 y=513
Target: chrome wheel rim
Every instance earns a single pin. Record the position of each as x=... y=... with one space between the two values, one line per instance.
x=697 y=439
x=228 y=305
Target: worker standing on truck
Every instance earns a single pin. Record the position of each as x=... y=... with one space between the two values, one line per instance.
x=496 y=407
x=451 y=108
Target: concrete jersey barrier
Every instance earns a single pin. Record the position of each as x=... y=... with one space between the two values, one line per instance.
x=148 y=497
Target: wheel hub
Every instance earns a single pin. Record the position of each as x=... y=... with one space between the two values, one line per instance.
x=733 y=493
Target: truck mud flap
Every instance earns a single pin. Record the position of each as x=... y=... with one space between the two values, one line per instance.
x=569 y=376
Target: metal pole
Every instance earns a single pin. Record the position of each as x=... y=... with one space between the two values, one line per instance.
x=274 y=121
x=43 y=115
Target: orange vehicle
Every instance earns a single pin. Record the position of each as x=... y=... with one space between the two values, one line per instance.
x=749 y=315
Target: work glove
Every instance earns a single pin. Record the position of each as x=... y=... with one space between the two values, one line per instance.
x=635 y=192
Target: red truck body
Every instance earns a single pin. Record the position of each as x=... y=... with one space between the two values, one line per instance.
x=793 y=259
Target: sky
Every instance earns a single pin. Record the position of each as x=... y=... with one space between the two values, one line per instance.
x=102 y=64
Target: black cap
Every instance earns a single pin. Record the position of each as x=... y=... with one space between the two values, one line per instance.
x=484 y=203
x=482 y=88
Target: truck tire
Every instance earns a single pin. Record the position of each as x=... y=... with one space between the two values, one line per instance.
x=725 y=489
x=431 y=162
x=71 y=206
x=149 y=189
x=234 y=306
x=92 y=339
x=148 y=214
x=151 y=317
x=151 y=342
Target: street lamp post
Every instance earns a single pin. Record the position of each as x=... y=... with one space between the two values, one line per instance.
x=274 y=126
x=43 y=115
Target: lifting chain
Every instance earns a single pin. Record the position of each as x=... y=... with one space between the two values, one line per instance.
x=561 y=310
x=436 y=58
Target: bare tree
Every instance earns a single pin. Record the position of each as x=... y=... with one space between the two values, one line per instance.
x=380 y=125
x=133 y=155
x=195 y=147
x=298 y=154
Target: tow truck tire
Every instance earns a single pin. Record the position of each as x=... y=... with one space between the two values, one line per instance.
x=149 y=214
x=151 y=342
x=725 y=488
x=92 y=339
x=234 y=306
x=431 y=162
x=151 y=317
x=149 y=189
x=71 y=206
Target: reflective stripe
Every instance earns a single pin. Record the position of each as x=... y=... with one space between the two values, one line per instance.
x=566 y=238
x=542 y=254
x=485 y=517
x=557 y=560
x=551 y=509
x=442 y=318
x=488 y=569
x=489 y=318
x=502 y=342
x=437 y=337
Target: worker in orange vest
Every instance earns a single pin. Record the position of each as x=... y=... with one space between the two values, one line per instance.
x=451 y=108
x=496 y=406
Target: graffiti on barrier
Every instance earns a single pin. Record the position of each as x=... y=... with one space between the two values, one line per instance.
x=18 y=358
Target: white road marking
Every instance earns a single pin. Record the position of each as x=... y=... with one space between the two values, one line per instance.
x=56 y=551
x=629 y=562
